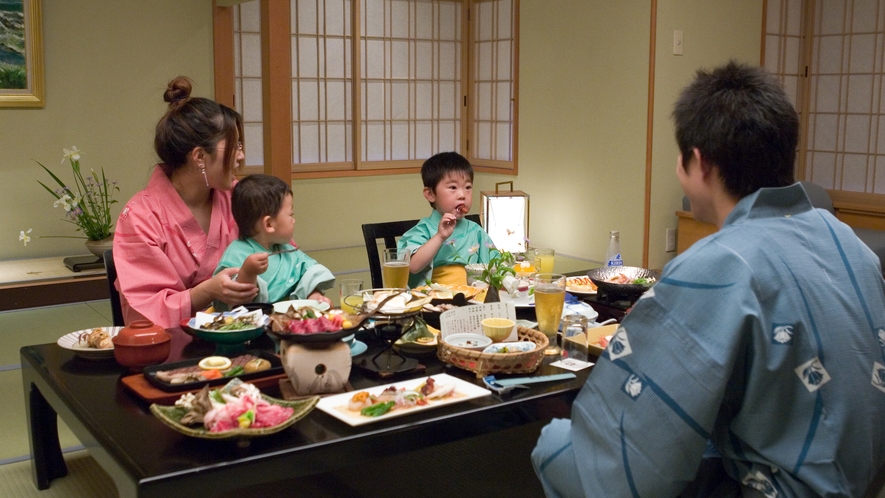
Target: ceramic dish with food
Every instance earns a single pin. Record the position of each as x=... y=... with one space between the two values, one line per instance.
x=510 y=347
x=580 y=285
x=476 y=342
x=398 y=399
x=308 y=324
x=237 y=410
x=627 y=281
x=445 y=292
x=283 y=306
x=95 y=343
x=393 y=302
x=187 y=375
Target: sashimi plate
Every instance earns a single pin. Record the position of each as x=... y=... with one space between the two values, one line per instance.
x=336 y=405
x=171 y=417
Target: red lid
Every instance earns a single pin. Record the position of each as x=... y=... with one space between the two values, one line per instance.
x=141 y=333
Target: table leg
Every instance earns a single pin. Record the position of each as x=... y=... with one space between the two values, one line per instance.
x=47 y=463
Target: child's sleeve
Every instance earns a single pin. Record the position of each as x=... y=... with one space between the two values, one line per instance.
x=314 y=276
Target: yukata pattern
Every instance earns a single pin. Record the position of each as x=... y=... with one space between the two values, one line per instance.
x=161 y=252
x=456 y=250
x=288 y=273
x=765 y=339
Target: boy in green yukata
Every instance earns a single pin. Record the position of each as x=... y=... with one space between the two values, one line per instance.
x=262 y=207
x=444 y=242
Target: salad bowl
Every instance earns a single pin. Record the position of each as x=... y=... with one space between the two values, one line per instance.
x=228 y=342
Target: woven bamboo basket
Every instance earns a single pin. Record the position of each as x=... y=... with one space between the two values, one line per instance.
x=497 y=363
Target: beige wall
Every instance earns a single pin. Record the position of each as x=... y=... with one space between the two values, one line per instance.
x=714 y=32
x=583 y=104
x=106 y=66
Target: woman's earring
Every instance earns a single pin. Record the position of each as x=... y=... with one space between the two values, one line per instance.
x=203 y=170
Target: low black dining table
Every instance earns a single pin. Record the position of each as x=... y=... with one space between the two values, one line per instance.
x=147 y=459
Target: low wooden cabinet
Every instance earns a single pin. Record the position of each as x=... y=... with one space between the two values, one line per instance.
x=690 y=230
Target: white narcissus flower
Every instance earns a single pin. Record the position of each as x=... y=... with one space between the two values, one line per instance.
x=73 y=154
x=66 y=201
x=23 y=236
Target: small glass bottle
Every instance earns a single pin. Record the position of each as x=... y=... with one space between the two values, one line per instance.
x=613 y=254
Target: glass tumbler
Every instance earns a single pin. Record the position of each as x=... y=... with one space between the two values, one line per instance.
x=574 y=337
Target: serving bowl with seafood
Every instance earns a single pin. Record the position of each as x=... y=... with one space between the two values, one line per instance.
x=237 y=410
x=308 y=324
x=393 y=302
x=626 y=281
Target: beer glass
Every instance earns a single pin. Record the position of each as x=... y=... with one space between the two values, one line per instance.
x=395 y=268
x=549 y=300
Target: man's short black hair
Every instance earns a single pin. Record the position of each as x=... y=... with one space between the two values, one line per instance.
x=437 y=167
x=742 y=121
x=255 y=197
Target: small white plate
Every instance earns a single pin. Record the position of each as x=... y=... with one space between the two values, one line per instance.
x=336 y=405
x=475 y=342
x=283 y=306
x=72 y=342
x=522 y=302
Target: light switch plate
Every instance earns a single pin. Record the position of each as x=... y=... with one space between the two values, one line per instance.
x=677 y=43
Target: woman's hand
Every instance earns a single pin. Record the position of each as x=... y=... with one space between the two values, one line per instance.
x=318 y=296
x=223 y=288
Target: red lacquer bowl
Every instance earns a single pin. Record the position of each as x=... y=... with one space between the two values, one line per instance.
x=141 y=344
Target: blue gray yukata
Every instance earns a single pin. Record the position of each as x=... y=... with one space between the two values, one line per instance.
x=766 y=339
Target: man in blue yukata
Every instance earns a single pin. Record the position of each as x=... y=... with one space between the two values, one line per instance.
x=756 y=365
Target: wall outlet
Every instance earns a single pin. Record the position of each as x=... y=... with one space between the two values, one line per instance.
x=671 y=240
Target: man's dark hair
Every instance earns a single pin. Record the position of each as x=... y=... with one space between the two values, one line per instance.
x=255 y=197
x=741 y=120
x=437 y=167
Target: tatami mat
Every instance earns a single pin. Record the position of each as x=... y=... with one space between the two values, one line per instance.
x=85 y=479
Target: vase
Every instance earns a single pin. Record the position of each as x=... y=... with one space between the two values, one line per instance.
x=98 y=247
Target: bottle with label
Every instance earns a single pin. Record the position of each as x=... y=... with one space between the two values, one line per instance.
x=613 y=254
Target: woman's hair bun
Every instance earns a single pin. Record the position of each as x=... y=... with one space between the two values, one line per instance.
x=179 y=89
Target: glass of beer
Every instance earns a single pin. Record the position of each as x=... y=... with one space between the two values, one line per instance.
x=395 y=269
x=549 y=300
x=350 y=298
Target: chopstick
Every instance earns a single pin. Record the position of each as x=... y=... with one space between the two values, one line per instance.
x=282 y=251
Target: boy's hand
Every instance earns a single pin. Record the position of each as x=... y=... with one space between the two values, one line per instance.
x=447 y=225
x=255 y=264
x=318 y=296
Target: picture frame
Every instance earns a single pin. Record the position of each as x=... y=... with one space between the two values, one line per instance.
x=21 y=54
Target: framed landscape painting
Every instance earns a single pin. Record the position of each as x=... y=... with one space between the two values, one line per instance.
x=21 y=54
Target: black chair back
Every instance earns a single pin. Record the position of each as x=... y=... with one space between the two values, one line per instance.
x=389 y=232
x=111 y=270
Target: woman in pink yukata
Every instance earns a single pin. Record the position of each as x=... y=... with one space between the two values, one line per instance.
x=171 y=235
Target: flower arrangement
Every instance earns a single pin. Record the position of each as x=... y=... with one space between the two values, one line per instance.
x=498 y=267
x=493 y=273
x=87 y=205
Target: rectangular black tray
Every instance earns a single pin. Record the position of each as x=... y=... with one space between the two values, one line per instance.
x=276 y=367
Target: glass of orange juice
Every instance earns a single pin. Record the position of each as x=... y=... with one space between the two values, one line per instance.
x=549 y=300
x=545 y=259
x=395 y=269
x=349 y=292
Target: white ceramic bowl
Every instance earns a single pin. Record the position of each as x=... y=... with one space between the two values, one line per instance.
x=476 y=342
